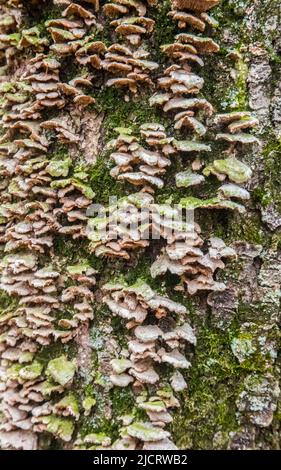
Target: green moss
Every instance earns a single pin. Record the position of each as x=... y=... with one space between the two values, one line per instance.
x=231 y=14
x=121 y=113
x=248 y=229
x=102 y=183
x=210 y=399
x=165 y=28
x=99 y=423
x=59 y=152
x=234 y=93
x=268 y=191
x=261 y=196
x=214 y=382
x=6 y=302
x=123 y=401
x=241 y=84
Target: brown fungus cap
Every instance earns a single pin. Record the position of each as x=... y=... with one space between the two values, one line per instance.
x=185 y=19
x=196 y=5
x=203 y=45
x=124 y=6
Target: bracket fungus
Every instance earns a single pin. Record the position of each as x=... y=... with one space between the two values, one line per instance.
x=120 y=229
x=150 y=435
x=231 y=167
x=11 y=20
x=74 y=90
x=27 y=408
x=196 y=5
x=151 y=163
x=69 y=33
x=187 y=178
x=184 y=256
x=196 y=20
x=46 y=81
x=236 y=122
x=150 y=344
x=179 y=80
x=43 y=76
x=131 y=69
x=129 y=20
x=30 y=213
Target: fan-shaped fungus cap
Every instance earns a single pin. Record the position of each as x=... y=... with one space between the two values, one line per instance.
x=189 y=104
x=203 y=45
x=236 y=171
x=78 y=10
x=118 y=6
x=234 y=191
x=177 y=382
x=146 y=432
x=227 y=118
x=184 y=19
x=186 y=179
x=245 y=139
x=196 y=5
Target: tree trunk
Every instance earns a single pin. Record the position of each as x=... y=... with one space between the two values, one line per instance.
x=132 y=344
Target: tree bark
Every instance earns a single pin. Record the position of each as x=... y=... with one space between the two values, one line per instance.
x=62 y=362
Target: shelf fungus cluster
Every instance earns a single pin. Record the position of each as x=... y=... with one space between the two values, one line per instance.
x=127 y=68
x=46 y=198
x=42 y=75
x=231 y=168
x=14 y=37
x=138 y=165
x=10 y=22
x=151 y=343
x=128 y=19
x=150 y=434
x=135 y=434
x=36 y=399
x=192 y=13
x=185 y=256
x=235 y=123
x=41 y=293
x=41 y=197
x=127 y=63
x=74 y=30
x=120 y=229
x=180 y=83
